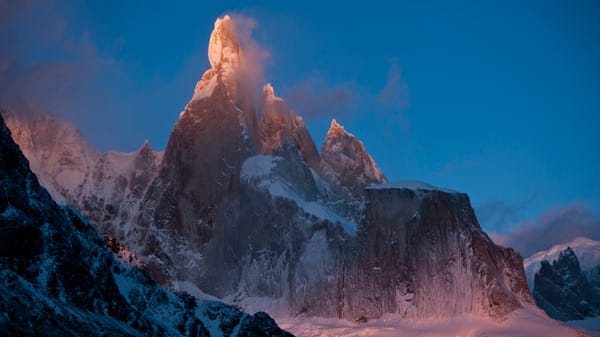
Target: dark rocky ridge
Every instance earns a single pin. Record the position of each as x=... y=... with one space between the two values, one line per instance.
x=563 y=291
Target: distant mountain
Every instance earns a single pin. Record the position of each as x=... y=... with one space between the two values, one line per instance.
x=58 y=277
x=565 y=281
x=586 y=250
x=241 y=207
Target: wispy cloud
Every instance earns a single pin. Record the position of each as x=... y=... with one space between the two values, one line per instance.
x=315 y=97
x=394 y=94
x=41 y=67
x=557 y=225
x=256 y=56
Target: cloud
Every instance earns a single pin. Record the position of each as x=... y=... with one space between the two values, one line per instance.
x=497 y=215
x=255 y=55
x=314 y=97
x=44 y=68
x=394 y=94
x=558 y=225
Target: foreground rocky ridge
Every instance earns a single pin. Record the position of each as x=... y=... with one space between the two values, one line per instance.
x=58 y=277
x=244 y=209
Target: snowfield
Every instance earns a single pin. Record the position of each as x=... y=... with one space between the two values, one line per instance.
x=527 y=322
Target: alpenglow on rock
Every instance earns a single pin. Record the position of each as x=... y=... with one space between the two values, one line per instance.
x=345 y=163
x=242 y=208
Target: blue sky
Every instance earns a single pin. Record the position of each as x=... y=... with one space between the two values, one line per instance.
x=499 y=99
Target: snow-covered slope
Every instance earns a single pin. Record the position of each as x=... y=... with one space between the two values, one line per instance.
x=526 y=322
x=58 y=278
x=587 y=251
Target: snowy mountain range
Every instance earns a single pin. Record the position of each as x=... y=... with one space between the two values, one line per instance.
x=242 y=207
x=58 y=277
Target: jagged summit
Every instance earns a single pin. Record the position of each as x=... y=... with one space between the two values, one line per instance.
x=335 y=129
x=225 y=56
x=269 y=92
x=278 y=125
x=224 y=47
x=345 y=163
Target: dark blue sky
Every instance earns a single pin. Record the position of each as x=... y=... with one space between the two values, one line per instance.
x=500 y=99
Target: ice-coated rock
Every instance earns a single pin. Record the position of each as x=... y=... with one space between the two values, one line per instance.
x=562 y=290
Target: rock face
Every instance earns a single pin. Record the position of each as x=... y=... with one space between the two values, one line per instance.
x=241 y=207
x=421 y=253
x=58 y=277
x=345 y=163
x=279 y=125
x=563 y=291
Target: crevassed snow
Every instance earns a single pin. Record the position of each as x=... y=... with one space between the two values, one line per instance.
x=587 y=251
x=521 y=323
x=411 y=185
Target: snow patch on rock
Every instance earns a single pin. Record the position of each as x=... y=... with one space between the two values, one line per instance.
x=410 y=185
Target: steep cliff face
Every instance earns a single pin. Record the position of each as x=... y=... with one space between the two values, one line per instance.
x=292 y=241
x=421 y=253
x=278 y=126
x=563 y=291
x=213 y=136
x=58 y=278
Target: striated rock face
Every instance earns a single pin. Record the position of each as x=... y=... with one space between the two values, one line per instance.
x=58 y=278
x=345 y=163
x=278 y=126
x=563 y=291
x=421 y=253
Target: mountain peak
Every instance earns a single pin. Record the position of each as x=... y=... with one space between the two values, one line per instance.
x=224 y=46
x=269 y=92
x=335 y=128
x=346 y=164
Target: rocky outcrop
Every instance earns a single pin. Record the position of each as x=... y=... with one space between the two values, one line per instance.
x=346 y=165
x=563 y=291
x=58 y=278
x=421 y=253
x=279 y=126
